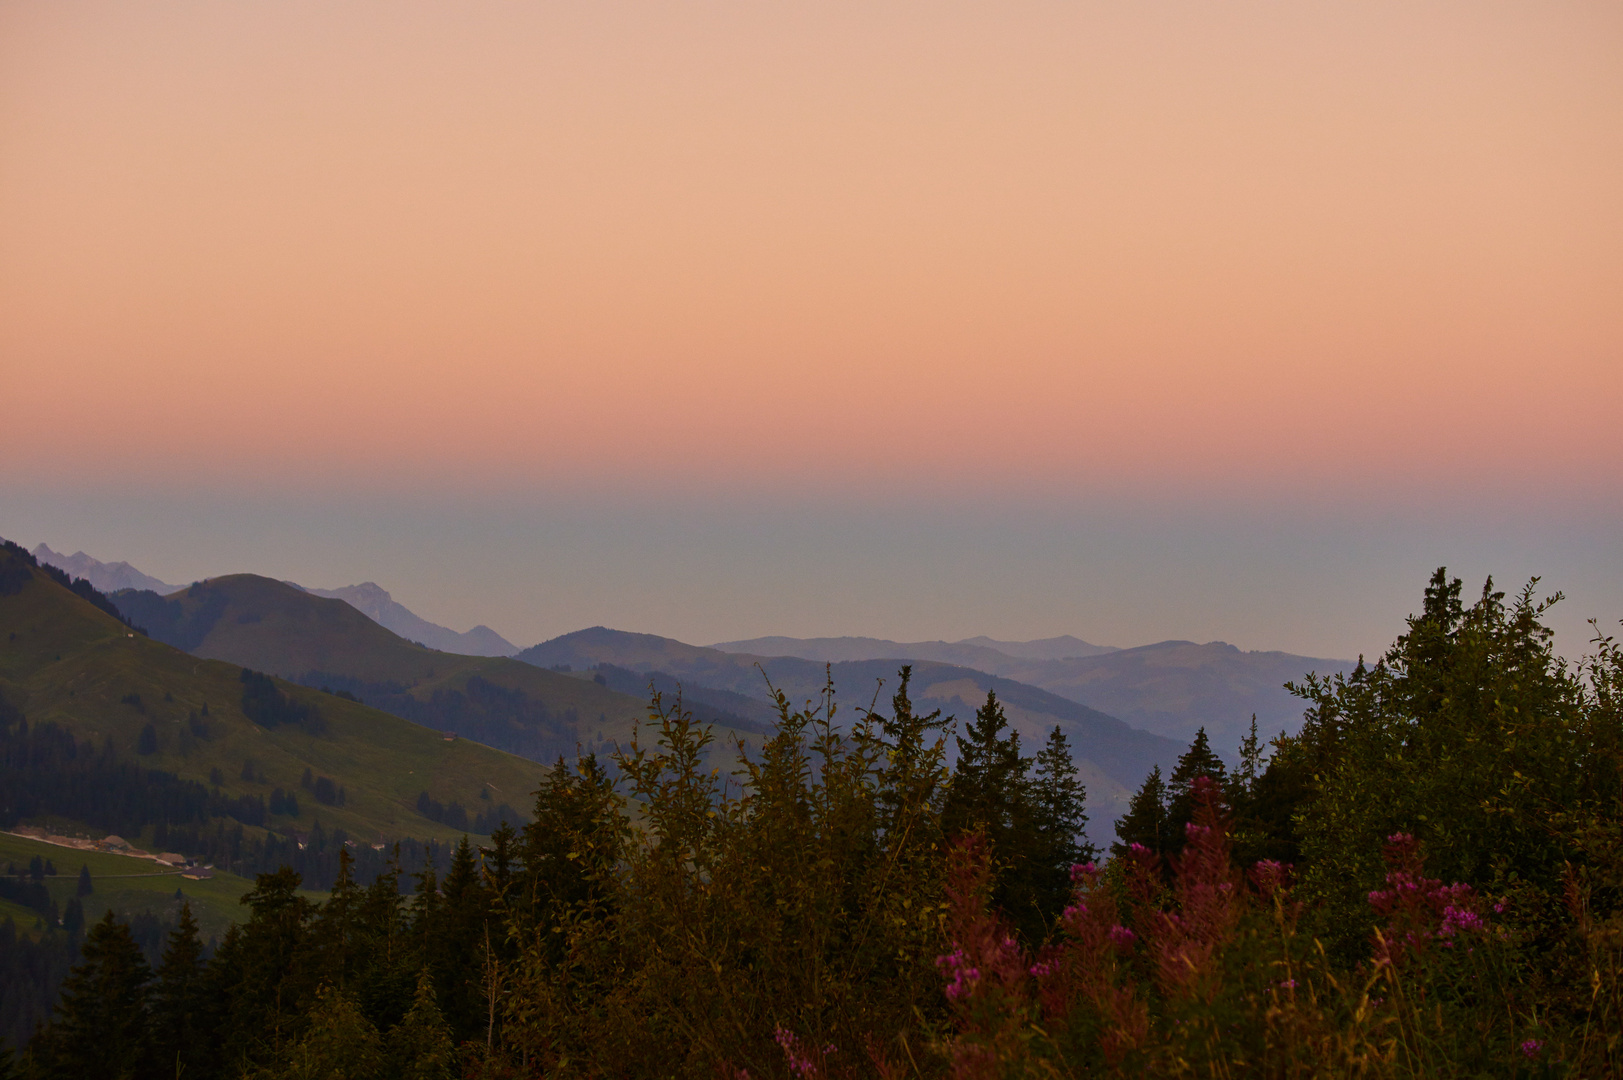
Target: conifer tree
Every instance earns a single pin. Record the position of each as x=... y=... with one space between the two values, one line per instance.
x=336 y=930
x=420 y=1047
x=579 y=835
x=1146 y=819
x=1243 y=781
x=181 y=1013
x=987 y=786
x=498 y=861
x=990 y=792
x=459 y=941
x=910 y=782
x=1061 y=803
x=264 y=969
x=101 y=1023
x=339 y=1044
x=1199 y=760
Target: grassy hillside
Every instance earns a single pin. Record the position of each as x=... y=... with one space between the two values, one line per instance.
x=128 y=886
x=64 y=661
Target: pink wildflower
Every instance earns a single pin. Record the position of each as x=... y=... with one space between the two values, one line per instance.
x=799 y=1063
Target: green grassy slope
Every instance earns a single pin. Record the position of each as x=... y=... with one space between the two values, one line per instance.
x=63 y=660
x=269 y=626
x=127 y=885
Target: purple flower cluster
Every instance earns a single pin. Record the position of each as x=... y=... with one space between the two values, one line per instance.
x=800 y=1063
x=956 y=967
x=1421 y=910
x=1458 y=919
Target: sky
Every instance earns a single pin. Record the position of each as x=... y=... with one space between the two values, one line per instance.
x=721 y=319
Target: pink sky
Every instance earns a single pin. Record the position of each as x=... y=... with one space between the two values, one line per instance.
x=1064 y=245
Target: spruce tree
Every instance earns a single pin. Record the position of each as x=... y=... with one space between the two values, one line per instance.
x=1199 y=760
x=339 y=1044
x=459 y=943
x=910 y=781
x=986 y=791
x=101 y=1023
x=1060 y=801
x=1243 y=781
x=1059 y=807
x=181 y=1007
x=1146 y=819
x=335 y=928
x=266 y=969
x=420 y=1046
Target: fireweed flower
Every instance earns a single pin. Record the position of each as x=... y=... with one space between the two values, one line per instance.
x=799 y=1063
x=1271 y=877
x=955 y=966
x=1531 y=1047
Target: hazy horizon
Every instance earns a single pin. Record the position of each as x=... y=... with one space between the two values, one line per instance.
x=719 y=321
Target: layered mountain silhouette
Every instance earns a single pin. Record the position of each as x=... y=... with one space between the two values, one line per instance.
x=369 y=598
x=374 y=601
x=275 y=627
x=107 y=577
x=1111 y=756
x=1124 y=709
x=1171 y=688
x=980 y=652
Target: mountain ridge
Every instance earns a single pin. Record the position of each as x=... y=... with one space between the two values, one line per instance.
x=982 y=648
x=276 y=627
x=375 y=602
x=106 y=577
x=1112 y=756
x=1168 y=687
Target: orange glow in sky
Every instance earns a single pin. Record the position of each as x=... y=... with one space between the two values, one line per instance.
x=1066 y=244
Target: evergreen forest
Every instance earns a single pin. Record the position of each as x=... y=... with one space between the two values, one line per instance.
x=1426 y=879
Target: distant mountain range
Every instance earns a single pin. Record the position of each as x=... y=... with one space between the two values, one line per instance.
x=978 y=652
x=1112 y=757
x=275 y=627
x=1125 y=709
x=1171 y=688
x=369 y=598
x=375 y=603
x=108 y=577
